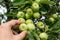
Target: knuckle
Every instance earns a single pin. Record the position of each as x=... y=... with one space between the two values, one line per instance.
x=13 y=20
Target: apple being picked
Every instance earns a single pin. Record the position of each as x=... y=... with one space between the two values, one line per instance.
x=23 y=27
x=22 y=19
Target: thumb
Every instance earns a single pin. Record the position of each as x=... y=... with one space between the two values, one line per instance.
x=21 y=36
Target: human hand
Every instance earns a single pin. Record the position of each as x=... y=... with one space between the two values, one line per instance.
x=6 y=31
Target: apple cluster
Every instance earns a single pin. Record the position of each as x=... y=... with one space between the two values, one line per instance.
x=40 y=28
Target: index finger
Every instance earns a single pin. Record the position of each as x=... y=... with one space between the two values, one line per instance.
x=14 y=22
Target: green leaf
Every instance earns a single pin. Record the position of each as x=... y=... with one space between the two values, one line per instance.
x=52 y=37
x=56 y=27
x=47 y=2
x=18 y=2
x=36 y=35
x=30 y=36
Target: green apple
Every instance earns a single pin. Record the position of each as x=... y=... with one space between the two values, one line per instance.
x=31 y=27
x=43 y=35
x=40 y=25
x=20 y=14
x=27 y=16
x=36 y=15
x=23 y=27
x=54 y=15
x=51 y=19
x=46 y=28
x=42 y=12
x=37 y=1
x=22 y=19
x=35 y=6
x=29 y=11
x=29 y=21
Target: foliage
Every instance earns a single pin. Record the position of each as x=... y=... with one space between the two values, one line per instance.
x=46 y=8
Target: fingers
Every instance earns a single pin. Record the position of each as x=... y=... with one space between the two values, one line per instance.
x=14 y=32
x=13 y=22
x=21 y=36
x=15 y=27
